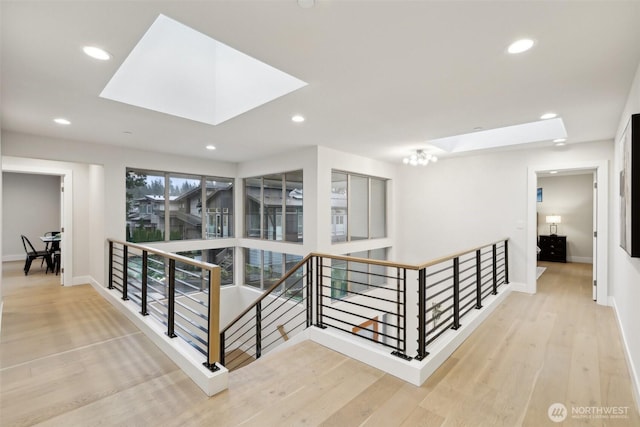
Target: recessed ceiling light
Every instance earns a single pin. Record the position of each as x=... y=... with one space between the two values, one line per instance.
x=547 y=116
x=97 y=53
x=559 y=142
x=211 y=147
x=520 y=46
x=62 y=121
x=553 y=172
x=297 y=118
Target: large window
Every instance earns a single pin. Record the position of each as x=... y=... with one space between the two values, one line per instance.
x=265 y=268
x=273 y=207
x=222 y=257
x=355 y=277
x=189 y=206
x=358 y=207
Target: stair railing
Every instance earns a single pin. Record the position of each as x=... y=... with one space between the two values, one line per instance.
x=281 y=312
x=367 y=298
x=179 y=292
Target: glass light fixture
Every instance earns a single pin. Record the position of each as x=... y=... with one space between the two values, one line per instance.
x=419 y=158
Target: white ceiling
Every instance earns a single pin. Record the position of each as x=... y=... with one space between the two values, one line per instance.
x=384 y=77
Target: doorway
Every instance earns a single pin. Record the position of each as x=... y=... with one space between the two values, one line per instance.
x=65 y=195
x=566 y=220
x=599 y=169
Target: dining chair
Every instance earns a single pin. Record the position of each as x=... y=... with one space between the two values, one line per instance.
x=50 y=246
x=33 y=254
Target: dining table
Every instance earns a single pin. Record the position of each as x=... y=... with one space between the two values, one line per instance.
x=54 y=250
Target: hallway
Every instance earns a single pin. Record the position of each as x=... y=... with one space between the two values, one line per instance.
x=68 y=358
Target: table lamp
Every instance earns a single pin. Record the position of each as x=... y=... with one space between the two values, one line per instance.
x=553 y=221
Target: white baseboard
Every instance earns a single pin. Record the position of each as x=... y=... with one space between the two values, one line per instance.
x=520 y=287
x=580 y=259
x=635 y=378
x=83 y=280
x=10 y=258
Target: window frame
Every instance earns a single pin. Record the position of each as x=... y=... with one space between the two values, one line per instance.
x=166 y=205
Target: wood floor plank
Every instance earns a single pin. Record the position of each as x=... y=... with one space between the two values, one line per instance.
x=68 y=358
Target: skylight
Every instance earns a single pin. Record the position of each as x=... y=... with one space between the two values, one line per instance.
x=179 y=71
x=543 y=130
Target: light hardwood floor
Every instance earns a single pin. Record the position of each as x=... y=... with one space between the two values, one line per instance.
x=67 y=358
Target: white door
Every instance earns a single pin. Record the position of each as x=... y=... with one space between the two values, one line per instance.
x=595 y=237
x=61 y=228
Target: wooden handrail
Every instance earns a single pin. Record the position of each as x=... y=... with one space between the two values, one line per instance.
x=213 y=338
x=180 y=258
x=268 y=291
x=457 y=254
x=354 y=259
x=407 y=266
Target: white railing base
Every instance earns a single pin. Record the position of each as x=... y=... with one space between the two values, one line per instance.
x=180 y=352
x=414 y=371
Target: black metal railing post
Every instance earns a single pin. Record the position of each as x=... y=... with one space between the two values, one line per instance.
x=309 y=292
x=171 y=309
x=143 y=303
x=495 y=270
x=403 y=286
x=422 y=314
x=506 y=261
x=478 y=280
x=125 y=272
x=456 y=293
x=319 y=290
x=258 y=329
x=222 y=348
x=110 y=264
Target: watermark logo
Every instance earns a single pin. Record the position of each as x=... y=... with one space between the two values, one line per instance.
x=557 y=412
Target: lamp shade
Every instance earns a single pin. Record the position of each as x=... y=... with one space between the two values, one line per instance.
x=554 y=219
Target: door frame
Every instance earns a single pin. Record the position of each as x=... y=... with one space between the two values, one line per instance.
x=601 y=214
x=17 y=165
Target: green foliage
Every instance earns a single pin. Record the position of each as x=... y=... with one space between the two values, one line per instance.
x=145 y=235
x=134 y=183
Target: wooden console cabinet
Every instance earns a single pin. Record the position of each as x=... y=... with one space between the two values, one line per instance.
x=553 y=248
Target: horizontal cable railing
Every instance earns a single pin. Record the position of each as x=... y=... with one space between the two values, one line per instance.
x=280 y=313
x=363 y=298
x=180 y=293
x=450 y=287
x=367 y=299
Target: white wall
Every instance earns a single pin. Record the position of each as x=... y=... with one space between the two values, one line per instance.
x=625 y=271
x=99 y=188
x=31 y=207
x=462 y=202
x=571 y=197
